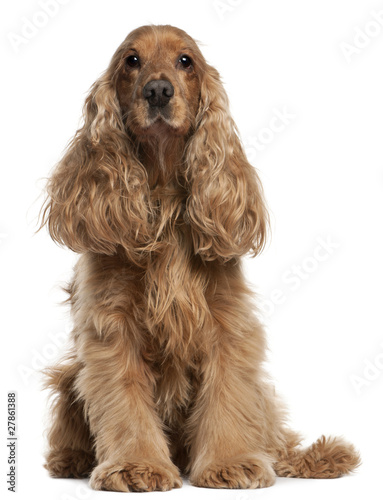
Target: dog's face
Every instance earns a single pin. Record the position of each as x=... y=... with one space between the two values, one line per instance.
x=158 y=83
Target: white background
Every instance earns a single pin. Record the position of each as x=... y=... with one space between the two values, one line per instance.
x=323 y=177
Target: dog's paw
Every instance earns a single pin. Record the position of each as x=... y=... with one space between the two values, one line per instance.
x=69 y=463
x=145 y=475
x=239 y=472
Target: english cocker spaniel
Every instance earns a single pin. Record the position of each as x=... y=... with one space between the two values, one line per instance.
x=165 y=373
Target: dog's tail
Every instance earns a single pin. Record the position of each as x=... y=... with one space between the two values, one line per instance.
x=326 y=458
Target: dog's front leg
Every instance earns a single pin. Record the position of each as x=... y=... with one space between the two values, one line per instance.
x=228 y=425
x=116 y=387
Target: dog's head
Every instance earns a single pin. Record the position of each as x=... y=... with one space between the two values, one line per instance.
x=158 y=80
x=157 y=93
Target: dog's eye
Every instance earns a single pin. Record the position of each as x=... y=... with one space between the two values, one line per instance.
x=185 y=62
x=133 y=61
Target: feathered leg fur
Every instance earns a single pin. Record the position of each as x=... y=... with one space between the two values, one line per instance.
x=71 y=452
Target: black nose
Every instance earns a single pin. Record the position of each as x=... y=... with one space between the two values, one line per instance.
x=158 y=93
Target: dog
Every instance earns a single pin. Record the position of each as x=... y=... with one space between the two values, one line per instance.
x=165 y=373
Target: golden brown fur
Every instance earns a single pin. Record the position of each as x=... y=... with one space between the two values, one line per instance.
x=165 y=374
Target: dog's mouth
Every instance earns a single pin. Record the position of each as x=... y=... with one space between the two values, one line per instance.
x=156 y=113
x=161 y=125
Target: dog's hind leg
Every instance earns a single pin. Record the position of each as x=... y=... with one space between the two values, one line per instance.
x=70 y=451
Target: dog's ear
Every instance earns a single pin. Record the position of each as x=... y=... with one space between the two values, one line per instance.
x=226 y=206
x=97 y=194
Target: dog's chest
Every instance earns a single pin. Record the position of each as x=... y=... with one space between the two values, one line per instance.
x=176 y=302
x=176 y=321
x=175 y=281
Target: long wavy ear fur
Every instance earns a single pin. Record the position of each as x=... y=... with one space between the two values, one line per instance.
x=226 y=206
x=97 y=195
